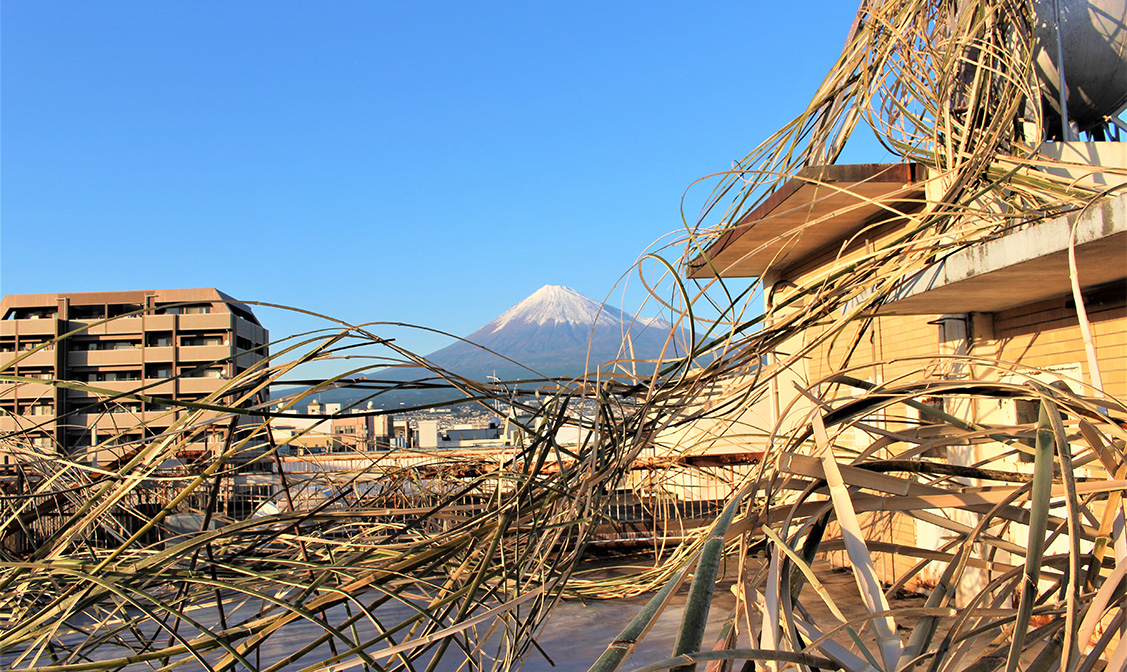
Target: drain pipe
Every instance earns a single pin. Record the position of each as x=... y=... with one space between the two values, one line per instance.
x=776 y=409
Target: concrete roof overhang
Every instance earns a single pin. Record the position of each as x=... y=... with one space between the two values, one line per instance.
x=819 y=206
x=1028 y=265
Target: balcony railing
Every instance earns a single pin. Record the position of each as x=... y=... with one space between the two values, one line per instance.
x=205 y=321
x=104 y=357
x=10 y=423
x=204 y=353
x=160 y=322
x=10 y=390
x=124 y=325
x=200 y=385
x=162 y=353
x=42 y=358
x=161 y=387
x=41 y=327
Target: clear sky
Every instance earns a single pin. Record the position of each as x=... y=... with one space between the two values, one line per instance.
x=422 y=162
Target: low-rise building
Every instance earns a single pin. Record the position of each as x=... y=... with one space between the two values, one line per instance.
x=362 y=432
x=462 y=436
x=1001 y=309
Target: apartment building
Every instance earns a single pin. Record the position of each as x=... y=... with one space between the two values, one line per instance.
x=172 y=344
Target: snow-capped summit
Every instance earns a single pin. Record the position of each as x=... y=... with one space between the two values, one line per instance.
x=555 y=331
x=553 y=303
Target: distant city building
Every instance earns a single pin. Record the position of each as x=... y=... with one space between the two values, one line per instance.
x=361 y=432
x=333 y=431
x=405 y=435
x=494 y=435
x=174 y=344
x=428 y=433
x=302 y=434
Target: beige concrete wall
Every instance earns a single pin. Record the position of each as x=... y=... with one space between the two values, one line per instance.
x=1047 y=335
x=901 y=346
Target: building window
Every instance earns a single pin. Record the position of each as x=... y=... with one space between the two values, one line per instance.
x=117 y=310
x=190 y=341
x=32 y=313
x=201 y=309
x=161 y=371
x=204 y=373
x=84 y=313
x=159 y=339
x=75 y=440
x=107 y=376
x=90 y=346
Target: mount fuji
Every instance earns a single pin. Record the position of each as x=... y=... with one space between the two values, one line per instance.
x=555 y=332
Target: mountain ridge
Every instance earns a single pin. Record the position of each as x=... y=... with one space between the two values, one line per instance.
x=555 y=332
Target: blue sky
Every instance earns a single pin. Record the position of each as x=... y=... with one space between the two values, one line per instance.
x=429 y=163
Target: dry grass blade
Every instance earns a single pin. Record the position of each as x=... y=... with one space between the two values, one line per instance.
x=811 y=431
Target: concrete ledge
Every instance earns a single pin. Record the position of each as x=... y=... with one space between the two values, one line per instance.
x=1022 y=267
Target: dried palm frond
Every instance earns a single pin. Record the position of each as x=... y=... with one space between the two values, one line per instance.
x=408 y=558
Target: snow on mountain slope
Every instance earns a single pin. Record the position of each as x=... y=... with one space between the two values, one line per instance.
x=552 y=303
x=555 y=331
